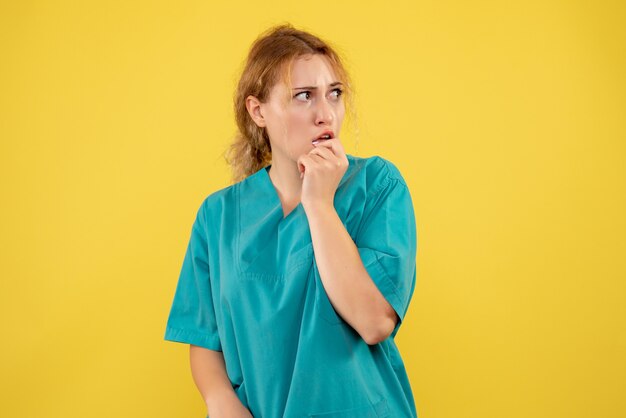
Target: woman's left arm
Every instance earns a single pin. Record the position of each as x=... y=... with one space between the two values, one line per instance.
x=350 y=289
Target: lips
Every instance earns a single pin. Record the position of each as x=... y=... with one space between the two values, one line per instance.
x=326 y=135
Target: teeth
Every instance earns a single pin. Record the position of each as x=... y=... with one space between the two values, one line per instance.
x=325 y=136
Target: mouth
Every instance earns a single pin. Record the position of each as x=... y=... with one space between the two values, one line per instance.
x=326 y=135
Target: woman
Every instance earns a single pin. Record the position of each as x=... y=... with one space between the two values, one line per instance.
x=297 y=277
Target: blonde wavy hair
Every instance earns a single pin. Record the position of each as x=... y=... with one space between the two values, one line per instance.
x=269 y=61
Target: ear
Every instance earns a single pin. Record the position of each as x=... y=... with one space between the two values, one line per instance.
x=255 y=110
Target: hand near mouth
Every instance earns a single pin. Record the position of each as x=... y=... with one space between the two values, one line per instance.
x=321 y=170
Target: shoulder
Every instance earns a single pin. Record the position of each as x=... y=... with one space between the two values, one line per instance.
x=225 y=199
x=216 y=202
x=375 y=171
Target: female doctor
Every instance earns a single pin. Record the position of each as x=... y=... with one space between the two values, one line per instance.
x=297 y=276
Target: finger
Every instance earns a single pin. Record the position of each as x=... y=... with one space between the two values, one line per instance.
x=327 y=161
x=303 y=161
x=324 y=152
x=335 y=147
x=317 y=159
x=328 y=158
x=308 y=162
x=334 y=144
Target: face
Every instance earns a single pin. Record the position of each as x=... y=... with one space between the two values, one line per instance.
x=295 y=118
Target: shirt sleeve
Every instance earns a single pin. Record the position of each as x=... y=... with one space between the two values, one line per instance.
x=387 y=242
x=192 y=315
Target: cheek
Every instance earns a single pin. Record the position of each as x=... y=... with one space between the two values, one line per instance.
x=341 y=113
x=297 y=121
x=275 y=119
x=341 y=109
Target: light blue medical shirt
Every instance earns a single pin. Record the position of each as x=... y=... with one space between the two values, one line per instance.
x=249 y=287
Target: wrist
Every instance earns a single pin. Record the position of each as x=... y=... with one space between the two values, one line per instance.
x=316 y=208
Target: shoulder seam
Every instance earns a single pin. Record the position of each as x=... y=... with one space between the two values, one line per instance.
x=386 y=183
x=390 y=174
x=389 y=179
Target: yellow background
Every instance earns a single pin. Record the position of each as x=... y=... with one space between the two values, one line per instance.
x=507 y=120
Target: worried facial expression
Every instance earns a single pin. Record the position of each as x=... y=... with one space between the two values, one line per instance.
x=314 y=106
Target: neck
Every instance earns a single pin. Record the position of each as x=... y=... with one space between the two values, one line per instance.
x=286 y=179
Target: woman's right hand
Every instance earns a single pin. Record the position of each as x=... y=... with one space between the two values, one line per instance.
x=209 y=373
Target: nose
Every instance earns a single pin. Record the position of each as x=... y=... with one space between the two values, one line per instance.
x=324 y=113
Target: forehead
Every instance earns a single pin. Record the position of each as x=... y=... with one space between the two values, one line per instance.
x=312 y=70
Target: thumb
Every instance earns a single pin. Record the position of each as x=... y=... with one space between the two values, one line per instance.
x=301 y=165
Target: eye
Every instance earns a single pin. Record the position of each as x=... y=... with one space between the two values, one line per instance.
x=302 y=98
x=339 y=92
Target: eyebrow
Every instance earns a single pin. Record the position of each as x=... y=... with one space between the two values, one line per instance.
x=336 y=83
